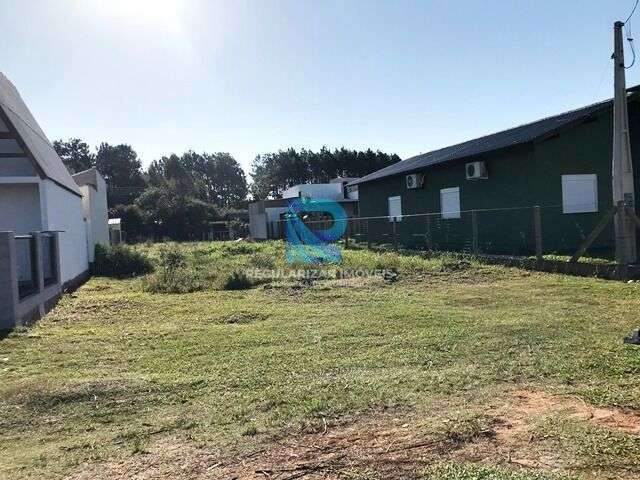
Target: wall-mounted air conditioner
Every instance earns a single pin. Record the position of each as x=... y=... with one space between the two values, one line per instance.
x=415 y=180
x=476 y=171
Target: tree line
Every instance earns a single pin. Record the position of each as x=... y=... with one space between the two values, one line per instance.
x=180 y=196
x=272 y=173
x=177 y=196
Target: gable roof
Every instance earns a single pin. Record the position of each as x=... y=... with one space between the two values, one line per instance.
x=496 y=141
x=34 y=138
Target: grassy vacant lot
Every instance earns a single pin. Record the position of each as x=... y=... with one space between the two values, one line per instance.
x=454 y=371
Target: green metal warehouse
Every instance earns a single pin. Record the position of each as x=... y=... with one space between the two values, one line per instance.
x=491 y=184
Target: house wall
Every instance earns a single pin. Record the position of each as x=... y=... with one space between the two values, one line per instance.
x=519 y=177
x=325 y=191
x=95 y=211
x=63 y=211
x=258 y=225
x=20 y=208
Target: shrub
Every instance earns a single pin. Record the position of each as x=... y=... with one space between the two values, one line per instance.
x=171 y=257
x=182 y=280
x=120 y=261
x=239 y=248
x=455 y=265
x=262 y=260
x=388 y=260
x=172 y=274
x=236 y=280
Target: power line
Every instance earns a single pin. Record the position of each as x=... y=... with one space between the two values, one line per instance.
x=632 y=11
x=630 y=40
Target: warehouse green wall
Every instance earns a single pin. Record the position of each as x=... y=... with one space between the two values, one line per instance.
x=521 y=176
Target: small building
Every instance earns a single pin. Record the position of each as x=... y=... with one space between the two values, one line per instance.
x=115 y=231
x=44 y=231
x=266 y=216
x=491 y=184
x=94 y=207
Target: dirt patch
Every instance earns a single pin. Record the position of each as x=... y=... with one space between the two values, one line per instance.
x=514 y=441
x=386 y=445
x=167 y=460
x=525 y=405
x=392 y=447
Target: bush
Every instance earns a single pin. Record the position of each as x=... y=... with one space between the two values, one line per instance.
x=120 y=261
x=172 y=274
x=240 y=248
x=388 y=260
x=455 y=265
x=262 y=260
x=171 y=258
x=236 y=280
x=182 y=280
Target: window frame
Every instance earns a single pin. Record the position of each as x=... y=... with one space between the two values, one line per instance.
x=450 y=214
x=585 y=207
x=398 y=198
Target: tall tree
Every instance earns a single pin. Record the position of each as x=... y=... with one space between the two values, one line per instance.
x=225 y=180
x=171 y=213
x=273 y=173
x=122 y=170
x=75 y=154
x=213 y=178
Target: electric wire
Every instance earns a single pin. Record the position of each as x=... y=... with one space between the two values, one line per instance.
x=632 y=11
x=629 y=35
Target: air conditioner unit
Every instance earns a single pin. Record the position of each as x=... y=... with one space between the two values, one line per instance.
x=415 y=180
x=476 y=171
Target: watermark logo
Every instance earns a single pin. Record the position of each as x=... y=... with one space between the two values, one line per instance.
x=311 y=225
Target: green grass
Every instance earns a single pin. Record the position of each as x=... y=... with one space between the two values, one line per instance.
x=471 y=472
x=115 y=368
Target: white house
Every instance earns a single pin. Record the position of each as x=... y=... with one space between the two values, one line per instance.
x=265 y=215
x=38 y=194
x=336 y=189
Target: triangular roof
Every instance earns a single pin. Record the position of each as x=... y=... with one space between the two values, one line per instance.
x=39 y=146
x=496 y=141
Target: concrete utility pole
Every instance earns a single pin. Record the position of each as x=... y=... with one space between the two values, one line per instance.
x=622 y=169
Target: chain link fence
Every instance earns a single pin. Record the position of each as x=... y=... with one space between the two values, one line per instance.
x=520 y=231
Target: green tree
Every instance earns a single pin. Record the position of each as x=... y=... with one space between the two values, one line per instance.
x=272 y=173
x=75 y=154
x=122 y=170
x=172 y=214
x=226 y=183
x=213 y=178
x=134 y=221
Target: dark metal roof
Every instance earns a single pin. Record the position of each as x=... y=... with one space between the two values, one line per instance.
x=507 y=138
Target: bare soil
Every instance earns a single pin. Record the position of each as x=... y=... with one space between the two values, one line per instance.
x=382 y=445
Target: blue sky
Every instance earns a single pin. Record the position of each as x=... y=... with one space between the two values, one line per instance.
x=249 y=77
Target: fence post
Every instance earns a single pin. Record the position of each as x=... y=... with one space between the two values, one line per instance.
x=8 y=281
x=368 y=236
x=537 y=227
x=474 y=228
x=427 y=234
x=37 y=240
x=346 y=234
x=394 y=233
